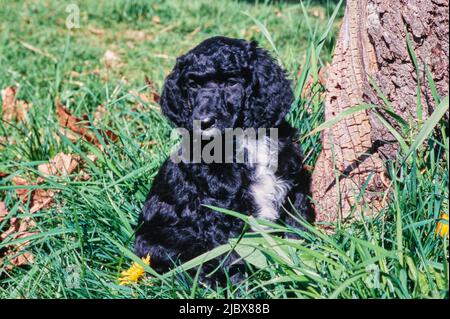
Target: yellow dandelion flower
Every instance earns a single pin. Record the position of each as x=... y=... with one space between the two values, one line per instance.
x=134 y=273
x=442 y=227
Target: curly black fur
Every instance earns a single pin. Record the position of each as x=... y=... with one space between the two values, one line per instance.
x=231 y=83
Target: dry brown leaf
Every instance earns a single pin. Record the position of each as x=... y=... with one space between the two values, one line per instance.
x=149 y=98
x=12 y=108
x=111 y=60
x=18 y=228
x=323 y=73
x=137 y=35
x=92 y=157
x=8 y=97
x=24 y=258
x=77 y=126
x=21 y=192
x=61 y=165
x=3 y=211
x=278 y=13
x=251 y=32
x=74 y=74
x=321 y=80
x=156 y=20
x=40 y=198
x=99 y=113
x=96 y=31
x=161 y=56
x=148 y=144
x=67 y=133
x=82 y=174
x=318 y=12
x=142 y=97
x=154 y=96
x=22 y=108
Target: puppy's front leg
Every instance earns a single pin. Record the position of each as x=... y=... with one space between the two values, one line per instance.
x=157 y=235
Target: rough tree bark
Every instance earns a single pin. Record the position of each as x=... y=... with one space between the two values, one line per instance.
x=372 y=43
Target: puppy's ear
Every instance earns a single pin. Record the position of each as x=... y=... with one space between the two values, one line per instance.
x=171 y=101
x=271 y=95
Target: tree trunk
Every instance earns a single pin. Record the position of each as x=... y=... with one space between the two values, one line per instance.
x=372 y=44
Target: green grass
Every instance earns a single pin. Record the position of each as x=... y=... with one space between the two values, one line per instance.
x=89 y=231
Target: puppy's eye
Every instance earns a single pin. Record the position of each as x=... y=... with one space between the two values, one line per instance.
x=192 y=84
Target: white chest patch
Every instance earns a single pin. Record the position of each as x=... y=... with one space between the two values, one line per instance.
x=268 y=191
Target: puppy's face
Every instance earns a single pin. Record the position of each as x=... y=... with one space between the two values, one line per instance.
x=226 y=83
x=214 y=99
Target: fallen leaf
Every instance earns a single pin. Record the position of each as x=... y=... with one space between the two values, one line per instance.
x=74 y=74
x=137 y=35
x=22 y=108
x=156 y=20
x=71 y=136
x=308 y=168
x=2 y=142
x=111 y=60
x=148 y=144
x=278 y=13
x=161 y=56
x=309 y=84
x=318 y=12
x=251 y=32
x=77 y=126
x=150 y=98
x=3 y=211
x=40 y=198
x=25 y=258
x=18 y=228
x=154 y=96
x=96 y=31
x=99 y=113
x=21 y=192
x=13 y=108
x=92 y=157
x=61 y=165
x=82 y=175
x=8 y=96
x=323 y=72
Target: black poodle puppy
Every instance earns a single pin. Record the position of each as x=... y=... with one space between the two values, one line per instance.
x=222 y=83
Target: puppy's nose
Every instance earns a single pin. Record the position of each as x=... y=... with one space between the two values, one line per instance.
x=207 y=123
